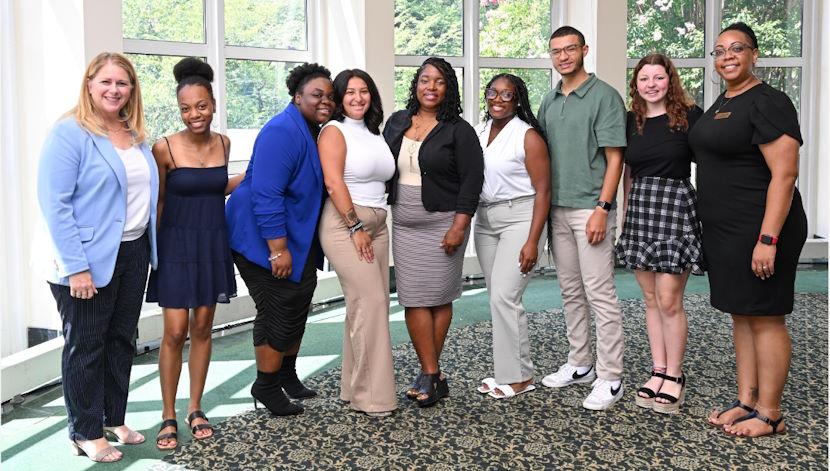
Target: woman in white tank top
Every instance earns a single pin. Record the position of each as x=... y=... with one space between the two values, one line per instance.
x=510 y=220
x=356 y=164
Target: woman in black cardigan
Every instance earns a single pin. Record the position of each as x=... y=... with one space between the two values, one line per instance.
x=434 y=194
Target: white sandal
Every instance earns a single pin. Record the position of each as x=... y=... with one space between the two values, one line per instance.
x=487 y=385
x=507 y=391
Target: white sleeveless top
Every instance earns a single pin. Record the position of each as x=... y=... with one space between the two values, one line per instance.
x=505 y=174
x=369 y=163
x=138 y=192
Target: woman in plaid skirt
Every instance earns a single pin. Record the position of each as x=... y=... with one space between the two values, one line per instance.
x=661 y=234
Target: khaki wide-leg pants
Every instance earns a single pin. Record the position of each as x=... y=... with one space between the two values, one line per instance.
x=368 y=377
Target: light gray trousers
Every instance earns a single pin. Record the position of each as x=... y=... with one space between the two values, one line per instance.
x=500 y=232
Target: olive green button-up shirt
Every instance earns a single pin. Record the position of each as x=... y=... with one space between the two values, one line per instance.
x=578 y=126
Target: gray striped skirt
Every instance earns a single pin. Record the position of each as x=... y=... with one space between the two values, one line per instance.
x=424 y=274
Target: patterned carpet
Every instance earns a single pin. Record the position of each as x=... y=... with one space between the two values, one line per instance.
x=544 y=429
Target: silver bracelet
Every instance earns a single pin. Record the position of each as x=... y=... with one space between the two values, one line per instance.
x=355 y=228
x=274 y=257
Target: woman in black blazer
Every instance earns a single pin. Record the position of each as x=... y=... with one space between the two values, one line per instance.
x=434 y=194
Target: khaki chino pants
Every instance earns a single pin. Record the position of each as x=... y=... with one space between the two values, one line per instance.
x=586 y=278
x=368 y=377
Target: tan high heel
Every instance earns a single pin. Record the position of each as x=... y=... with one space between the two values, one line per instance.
x=98 y=457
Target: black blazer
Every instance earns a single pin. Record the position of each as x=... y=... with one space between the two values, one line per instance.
x=451 y=162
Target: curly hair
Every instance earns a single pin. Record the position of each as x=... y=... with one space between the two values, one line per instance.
x=678 y=101
x=193 y=71
x=374 y=116
x=302 y=74
x=523 y=109
x=449 y=109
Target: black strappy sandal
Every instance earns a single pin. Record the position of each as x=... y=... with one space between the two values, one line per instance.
x=772 y=423
x=734 y=404
x=674 y=403
x=198 y=414
x=173 y=435
x=647 y=401
x=414 y=389
x=429 y=388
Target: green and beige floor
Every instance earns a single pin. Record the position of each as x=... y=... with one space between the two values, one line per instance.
x=34 y=433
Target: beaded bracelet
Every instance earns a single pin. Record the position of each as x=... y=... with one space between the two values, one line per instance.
x=274 y=257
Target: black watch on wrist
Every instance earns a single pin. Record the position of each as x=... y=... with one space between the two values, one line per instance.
x=604 y=205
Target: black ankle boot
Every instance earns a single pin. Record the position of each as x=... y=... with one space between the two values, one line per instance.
x=267 y=389
x=290 y=382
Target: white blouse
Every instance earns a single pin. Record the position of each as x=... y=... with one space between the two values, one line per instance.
x=138 y=192
x=409 y=170
x=369 y=163
x=505 y=174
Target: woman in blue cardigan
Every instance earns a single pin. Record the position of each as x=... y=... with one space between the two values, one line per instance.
x=272 y=220
x=98 y=188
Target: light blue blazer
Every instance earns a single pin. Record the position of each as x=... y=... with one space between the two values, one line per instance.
x=82 y=192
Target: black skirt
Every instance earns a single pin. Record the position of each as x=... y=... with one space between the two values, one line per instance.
x=661 y=232
x=281 y=305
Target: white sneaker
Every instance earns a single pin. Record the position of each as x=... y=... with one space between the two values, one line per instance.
x=568 y=375
x=603 y=395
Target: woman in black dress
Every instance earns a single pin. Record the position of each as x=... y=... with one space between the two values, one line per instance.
x=661 y=236
x=195 y=266
x=753 y=227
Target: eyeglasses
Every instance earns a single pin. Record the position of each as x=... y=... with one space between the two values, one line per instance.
x=569 y=50
x=506 y=95
x=735 y=48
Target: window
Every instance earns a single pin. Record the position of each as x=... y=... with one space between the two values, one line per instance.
x=480 y=38
x=251 y=46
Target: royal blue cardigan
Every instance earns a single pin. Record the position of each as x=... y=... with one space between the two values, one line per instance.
x=281 y=195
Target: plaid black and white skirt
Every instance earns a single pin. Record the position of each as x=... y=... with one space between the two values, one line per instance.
x=661 y=232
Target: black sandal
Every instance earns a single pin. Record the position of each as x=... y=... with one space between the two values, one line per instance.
x=429 y=388
x=414 y=389
x=734 y=404
x=443 y=388
x=198 y=414
x=772 y=423
x=647 y=401
x=674 y=403
x=173 y=435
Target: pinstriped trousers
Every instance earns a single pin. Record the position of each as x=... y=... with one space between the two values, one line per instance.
x=99 y=343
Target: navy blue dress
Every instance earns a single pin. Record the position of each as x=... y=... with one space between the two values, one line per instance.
x=195 y=265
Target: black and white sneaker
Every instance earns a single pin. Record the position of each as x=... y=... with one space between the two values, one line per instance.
x=603 y=395
x=568 y=375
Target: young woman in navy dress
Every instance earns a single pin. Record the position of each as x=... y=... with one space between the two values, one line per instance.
x=195 y=267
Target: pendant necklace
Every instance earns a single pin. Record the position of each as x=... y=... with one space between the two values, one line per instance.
x=414 y=144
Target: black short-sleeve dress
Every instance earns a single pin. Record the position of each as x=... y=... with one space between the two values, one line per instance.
x=732 y=181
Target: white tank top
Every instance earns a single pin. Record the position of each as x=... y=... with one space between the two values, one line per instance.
x=505 y=174
x=369 y=163
x=138 y=192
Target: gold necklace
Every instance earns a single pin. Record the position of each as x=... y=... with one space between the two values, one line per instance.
x=413 y=143
x=725 y=101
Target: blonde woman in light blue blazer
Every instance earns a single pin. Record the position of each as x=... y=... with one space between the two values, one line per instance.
x=98 y=191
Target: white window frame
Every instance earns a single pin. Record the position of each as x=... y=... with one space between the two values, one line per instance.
x=217 y=52
x=471 y=62
x=808 y=164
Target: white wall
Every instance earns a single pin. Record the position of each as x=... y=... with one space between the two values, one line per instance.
x=822 y=154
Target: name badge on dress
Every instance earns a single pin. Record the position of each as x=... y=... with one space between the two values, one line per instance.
x=723 y=115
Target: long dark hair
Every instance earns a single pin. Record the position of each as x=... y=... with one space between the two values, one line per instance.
x=374 y=116
x=449 y=109
x=523 y=109
x=678 y=101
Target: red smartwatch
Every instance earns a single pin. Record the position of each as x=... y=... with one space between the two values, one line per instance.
x=767 y=239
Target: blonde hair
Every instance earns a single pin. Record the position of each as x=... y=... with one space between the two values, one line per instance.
x=132 y=114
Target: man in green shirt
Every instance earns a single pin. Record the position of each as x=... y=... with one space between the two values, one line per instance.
x=584 y=119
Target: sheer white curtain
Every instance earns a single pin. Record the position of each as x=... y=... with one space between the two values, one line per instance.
x=13 y=261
